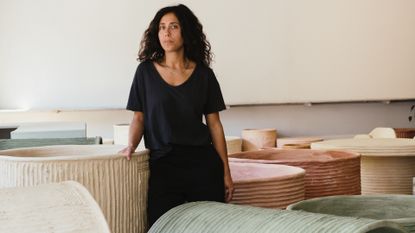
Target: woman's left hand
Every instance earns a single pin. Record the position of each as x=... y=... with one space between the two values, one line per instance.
x=229 y=189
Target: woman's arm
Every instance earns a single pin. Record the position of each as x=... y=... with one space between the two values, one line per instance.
x=135 y=134
x=218 y=139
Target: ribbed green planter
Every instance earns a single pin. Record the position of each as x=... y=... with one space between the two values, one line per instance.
x=396 y=208
x=212 y=217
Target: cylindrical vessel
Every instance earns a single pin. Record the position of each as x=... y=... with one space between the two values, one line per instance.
x=207 y=217
x=327 y=172
x=387 y=164
x=405 y=132
x=119 y=186
x=256 y=139
x=233 y=144
x=298 y=143
x=267 y=185
x=57 y=207
x=396 y=208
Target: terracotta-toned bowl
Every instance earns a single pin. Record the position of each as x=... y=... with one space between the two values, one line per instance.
x=255 y=139
x=405 y=132
x=387 y=164
x=227 y=218
x=397 y=208
x=327 y=172
x=119 y=186
x=267 y=185
x=57 y=207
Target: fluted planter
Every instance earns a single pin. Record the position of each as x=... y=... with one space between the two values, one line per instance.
x=396 y=208
x=267 y=185
x=233 y=144
x=256 y=139
x=405 y=132
x=50 y=208
x=119 y=186
x=327 y=172
x=211 y=217
x=387 y=164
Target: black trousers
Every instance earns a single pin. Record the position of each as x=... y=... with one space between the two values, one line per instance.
x=185 y=174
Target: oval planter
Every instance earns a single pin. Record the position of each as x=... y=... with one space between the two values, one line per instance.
x=267 y=185
x=327 y=172
x=209 y=217
x=119 y=186
x=50 y=208
x=396 y=156
x=256 y=139
x=396 y=208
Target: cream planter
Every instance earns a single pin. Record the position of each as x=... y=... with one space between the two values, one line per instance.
x=119 y=186
x=121 y=132
x=65 y=207
x=256 y=139
x=233 y=144
x=213 y=217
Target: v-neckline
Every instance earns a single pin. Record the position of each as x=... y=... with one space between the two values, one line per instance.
x=168 y=84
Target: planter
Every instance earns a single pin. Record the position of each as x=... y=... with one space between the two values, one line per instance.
x=267 y=185
x=297 y=143
x=327 y=172
x=396 y=208
x=255 y=139
x=405 y=132
x=119 y=186
x=233 y=144
x=209 y=217
x=50 y=208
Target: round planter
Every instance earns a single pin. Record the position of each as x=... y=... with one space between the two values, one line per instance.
x=267 y=185
x=396 y=208
x=206 y=217
x=256 y=139
x=297 y=143
x=387 y=165
x=405 y=132
x=233 y=144
x=119 y=186
x=59 y=208
x=327 y=172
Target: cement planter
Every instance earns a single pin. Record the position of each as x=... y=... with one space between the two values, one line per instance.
x=256 y=139
x=50 y=208
x=396 y=208
x=211 y=217
x=119 y=186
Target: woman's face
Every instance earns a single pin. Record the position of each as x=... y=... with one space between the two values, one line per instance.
x=170 y=34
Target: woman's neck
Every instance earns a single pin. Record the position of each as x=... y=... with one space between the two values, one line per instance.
x=175 y=60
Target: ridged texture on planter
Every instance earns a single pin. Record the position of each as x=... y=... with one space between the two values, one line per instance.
x=211 y=217
x=387 y=166
x=233 y=144
x=396 y=208
x=405 y=132
x=65 y=207
x=327 y=172
x=296 y=143
x=255 y=139
x=119 y=186
x=267 y=185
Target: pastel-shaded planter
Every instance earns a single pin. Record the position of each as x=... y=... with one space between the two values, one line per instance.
x=405 y=132
x=209 y=217
x=267 y=185
x=119 y=186
x=387 y=164
x=233 y=144
x=327 y=172
x=59 y=208
x=396 y=208
x=297 y=143
x=256 y=139
x=382 y=132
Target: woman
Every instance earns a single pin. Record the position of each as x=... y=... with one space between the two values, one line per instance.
x=172 y=89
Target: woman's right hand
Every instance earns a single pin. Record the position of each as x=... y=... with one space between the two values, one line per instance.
x=127 y=152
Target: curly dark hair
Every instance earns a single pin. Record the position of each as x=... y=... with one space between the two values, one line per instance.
x=196 y=46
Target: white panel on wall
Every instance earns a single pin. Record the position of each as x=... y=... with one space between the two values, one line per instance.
x=58 y=54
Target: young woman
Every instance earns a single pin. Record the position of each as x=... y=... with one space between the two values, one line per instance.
x=173 y=89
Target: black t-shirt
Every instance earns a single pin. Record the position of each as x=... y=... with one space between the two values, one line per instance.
x=173 y=115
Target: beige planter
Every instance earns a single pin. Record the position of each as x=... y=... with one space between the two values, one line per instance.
x=297 y=143
x=387 y=165
x=382 y=132
x=255 y=139
x=233 y=144
x=119 y=186
x=327 y=172
x=65 y=207
x=121 y=132
x=267 y=185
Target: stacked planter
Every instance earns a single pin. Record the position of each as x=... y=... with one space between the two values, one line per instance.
x=267 y=185
x=119 y=186
x=387 y=164
x=327 y=172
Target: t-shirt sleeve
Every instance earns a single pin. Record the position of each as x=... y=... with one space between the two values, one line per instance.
x=135 y=102
x=215 y=102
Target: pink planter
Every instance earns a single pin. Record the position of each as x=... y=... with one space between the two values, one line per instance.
x=256 y=139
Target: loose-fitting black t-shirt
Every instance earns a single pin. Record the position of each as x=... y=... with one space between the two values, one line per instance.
x=173 y=115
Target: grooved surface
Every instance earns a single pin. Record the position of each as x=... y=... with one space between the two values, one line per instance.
x=65 y=207
x=119 y=186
